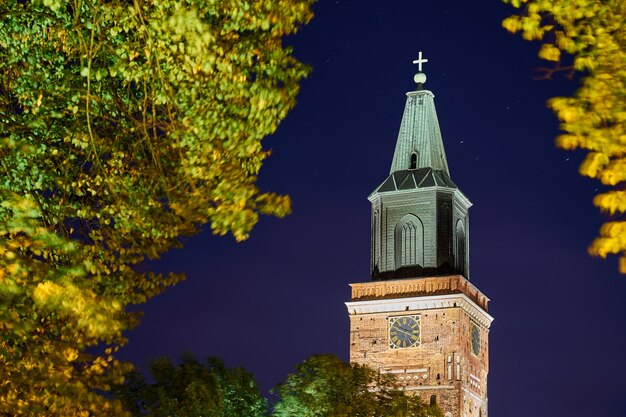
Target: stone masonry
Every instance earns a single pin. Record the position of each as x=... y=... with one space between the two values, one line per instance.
x=442 y=368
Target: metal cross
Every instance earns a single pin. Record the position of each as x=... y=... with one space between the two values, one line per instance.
x=419 y=61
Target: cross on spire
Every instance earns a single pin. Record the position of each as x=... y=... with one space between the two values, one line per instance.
x=419 y=61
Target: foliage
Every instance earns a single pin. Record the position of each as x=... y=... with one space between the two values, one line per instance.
x=124 y=124
x=593 y=33
x=323 y=386
x=191 y=389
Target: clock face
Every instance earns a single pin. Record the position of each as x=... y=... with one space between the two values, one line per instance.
x=475 y=338
x=404 y=332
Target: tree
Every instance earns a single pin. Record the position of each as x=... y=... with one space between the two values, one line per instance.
x=124 y=125
x=593 y=35
x=324 y=386
x=191 y=389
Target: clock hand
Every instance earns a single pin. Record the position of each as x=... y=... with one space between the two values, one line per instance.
x=404 y=331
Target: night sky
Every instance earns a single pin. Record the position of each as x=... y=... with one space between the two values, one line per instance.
x=557 y=341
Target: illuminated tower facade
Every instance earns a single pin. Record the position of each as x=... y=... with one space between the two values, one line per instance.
x=420 y=318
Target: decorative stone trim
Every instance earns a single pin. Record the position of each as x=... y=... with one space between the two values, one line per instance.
x=428 y=387
x=481 y=401
x=421 y=303
x=408 y=371
x=396 y=288
x=393 y=371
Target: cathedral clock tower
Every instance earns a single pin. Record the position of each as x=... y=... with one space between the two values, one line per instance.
x=420 y=318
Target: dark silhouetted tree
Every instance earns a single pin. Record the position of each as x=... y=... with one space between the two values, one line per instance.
x=324 y=386
x=192 y=389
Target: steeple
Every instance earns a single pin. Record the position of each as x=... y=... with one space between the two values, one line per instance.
x=419 y=142
x=420 y=221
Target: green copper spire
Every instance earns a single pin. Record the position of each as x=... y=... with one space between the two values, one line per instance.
x=419 y=142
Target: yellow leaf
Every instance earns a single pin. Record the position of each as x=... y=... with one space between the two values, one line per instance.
x=593 y=163
x=549 y=52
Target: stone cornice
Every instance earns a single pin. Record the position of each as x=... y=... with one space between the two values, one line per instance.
x=391 y=305
x=399 y=288
x=482 y=401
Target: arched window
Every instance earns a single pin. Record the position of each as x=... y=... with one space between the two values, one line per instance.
x=413 y=161
x=433 y=399
x=409 y=241
x=460 y=248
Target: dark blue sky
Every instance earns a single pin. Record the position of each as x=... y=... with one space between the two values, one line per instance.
x=556 y=344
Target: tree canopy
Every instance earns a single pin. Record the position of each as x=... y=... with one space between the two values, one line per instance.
x=124 y=125
x=192 y=389
x=321 y=386
x=592 y=35
x=324 y=386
